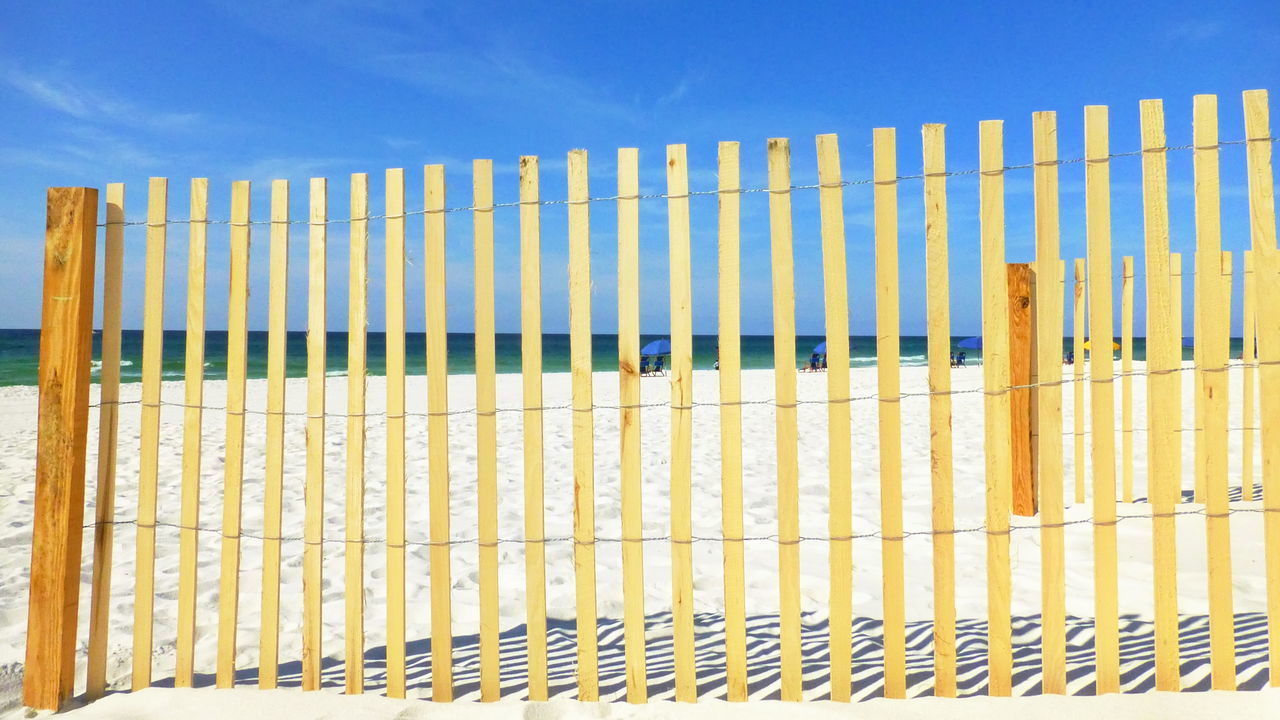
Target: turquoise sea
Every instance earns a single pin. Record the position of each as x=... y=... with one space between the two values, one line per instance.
x=19 y=351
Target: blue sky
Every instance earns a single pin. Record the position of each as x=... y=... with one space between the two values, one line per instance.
x=92 y=93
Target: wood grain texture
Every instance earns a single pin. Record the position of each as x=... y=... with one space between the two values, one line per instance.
x=66 y=349
x=438 y=434
x=835 y=285
x=277 y=299
x=730 y=359
x=1164 y=352
x=1213 y=308
x=584 y=523
x=395 y=368
x=1262 y=232
x=782 y=268
x=357 y=369
x=995 y=380
x=531 y=416
x=1126 y=378
x=941 y=463
x=1102 y=399
x=629 y=423
x=233 y=469
x=1021 y=352
x=681 y=468
x=889 y=410
x=108 y=446
x=192 y=415
x=486 y=427
x=149 y=433
x=1049 y=288
x=313 y=492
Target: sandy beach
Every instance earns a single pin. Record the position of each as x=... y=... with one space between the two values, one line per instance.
x=17 y=458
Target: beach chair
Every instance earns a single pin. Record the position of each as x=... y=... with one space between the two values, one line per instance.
x=960 y=359
x=953 y=360
x=657 y=367
x=644 y=365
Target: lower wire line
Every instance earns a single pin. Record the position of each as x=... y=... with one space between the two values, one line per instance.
x=667 y=538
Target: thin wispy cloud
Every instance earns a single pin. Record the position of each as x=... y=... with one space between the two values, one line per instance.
x=93 y=105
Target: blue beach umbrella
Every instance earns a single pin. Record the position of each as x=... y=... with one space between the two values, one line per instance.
x=657 y=347
x=821 y=349
x=972 y=343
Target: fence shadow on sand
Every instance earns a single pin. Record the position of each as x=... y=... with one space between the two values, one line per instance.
x=1137 y=658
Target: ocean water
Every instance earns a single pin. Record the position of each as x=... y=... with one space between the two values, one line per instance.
x=19 y=353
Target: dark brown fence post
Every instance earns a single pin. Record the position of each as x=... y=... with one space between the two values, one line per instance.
x=66 y=344
x=1020 y=352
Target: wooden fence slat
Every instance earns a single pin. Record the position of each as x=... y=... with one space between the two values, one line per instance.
x=269 y=658
x=486 y=428
x=1248 y=358
x=357 y=325
x=995 y=379
x=438 y=435
x=149 y=453
x=108 y=430
x=395 y=368
x=1262 y=225
x=1175 y=308
x=1077 y=376
x=192 y=437
x=1048 y=402
x=584 y=524
x=1213 y=287
x=1022 y=373
x=66 y=350
x=629 y=422
x=782 y=268
x=889 y=410
x=313 y=493
x=938 y=310
x=531 y=372
x=1102 y=399
x=233 y=475
x=681 y=291
x=730 y=357
x=839 y=425
x=1164 y=350
x=1126 y=380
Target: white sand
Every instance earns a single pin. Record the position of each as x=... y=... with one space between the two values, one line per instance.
x=17 y=457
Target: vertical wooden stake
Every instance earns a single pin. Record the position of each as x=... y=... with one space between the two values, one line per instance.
x=839 y=430
x=313 y=494
x=938 y=302
x=1049 y=286
x=1102 y=399
x=269 y=656
x=1126 y=379
x=995 y=381
x=1021 y=334
x=149 y=433
x=66 y=347
x=1164 y=352
x=395 y=364
x=784 y=374
x=438 y=434
x=486 y=429
x=535 y=585
x=1262 y=224
x=1077 y=376
x=629 y=419
x=108 y=422
x=735 y=611
x=357 y=325
x=584 y=498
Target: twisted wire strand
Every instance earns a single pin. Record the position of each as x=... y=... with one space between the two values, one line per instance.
x=773 y=537
x=703 y=403
x=692 y=193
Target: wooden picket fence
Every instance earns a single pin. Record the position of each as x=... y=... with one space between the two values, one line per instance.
x=66 y=342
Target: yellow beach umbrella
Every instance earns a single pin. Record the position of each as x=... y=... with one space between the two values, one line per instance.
x=1114 y=345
